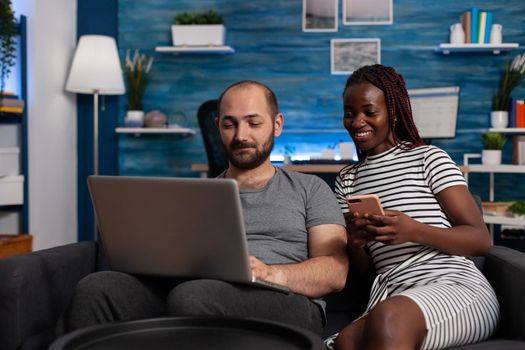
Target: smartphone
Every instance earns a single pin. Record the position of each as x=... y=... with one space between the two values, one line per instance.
x=365 y=203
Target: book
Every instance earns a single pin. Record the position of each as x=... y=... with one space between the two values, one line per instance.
x=482 y=22
x=512 y=112
x=488 y=26
x=11 y=102
x=518 y=148
x=10 y=97
x=465 y=21
x=520 y=113
x=474 y=14
x=11 y=109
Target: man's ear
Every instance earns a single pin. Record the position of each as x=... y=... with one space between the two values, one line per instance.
x=278 y=124
x=217 y=122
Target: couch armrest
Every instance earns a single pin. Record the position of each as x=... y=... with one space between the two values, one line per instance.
x=505 y=270
x=36 y=287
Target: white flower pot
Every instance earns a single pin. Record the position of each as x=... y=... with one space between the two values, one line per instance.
x=491 y=157
x=198 y=34
x=134 y=119
x=499 y=119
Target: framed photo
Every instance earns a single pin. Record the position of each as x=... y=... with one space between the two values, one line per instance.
x=348 y=55
x=368 y=12
x=320 y=15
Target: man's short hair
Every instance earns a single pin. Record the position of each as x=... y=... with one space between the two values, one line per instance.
x=271 y=99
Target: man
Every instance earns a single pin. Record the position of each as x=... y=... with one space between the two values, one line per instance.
x=295 y=231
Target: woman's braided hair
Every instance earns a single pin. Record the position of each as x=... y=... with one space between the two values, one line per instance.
x=397 y=102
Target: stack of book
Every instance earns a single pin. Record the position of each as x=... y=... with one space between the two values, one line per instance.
x=516 y=113
x=10 y=103
x=476 y=25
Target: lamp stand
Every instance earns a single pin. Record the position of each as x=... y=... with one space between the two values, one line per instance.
x=95 y=132
x=95 y=152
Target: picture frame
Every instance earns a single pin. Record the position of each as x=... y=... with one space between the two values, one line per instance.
x=320 y=15
x=368 y=12
x=347 y=55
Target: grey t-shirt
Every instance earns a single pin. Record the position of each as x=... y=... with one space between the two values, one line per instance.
x=278 y=215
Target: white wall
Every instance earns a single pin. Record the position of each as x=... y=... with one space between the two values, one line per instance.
x=51 y=121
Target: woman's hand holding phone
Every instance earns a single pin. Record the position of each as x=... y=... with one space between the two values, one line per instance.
x=356 y=229
x=394 y=228
x=358 y=220
x=367 y=221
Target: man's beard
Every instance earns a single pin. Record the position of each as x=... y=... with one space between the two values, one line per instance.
x=252 y=160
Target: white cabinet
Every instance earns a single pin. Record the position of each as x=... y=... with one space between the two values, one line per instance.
x=9 y=161
x=12 y=190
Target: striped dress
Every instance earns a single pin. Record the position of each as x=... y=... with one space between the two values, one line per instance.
x=459 y=305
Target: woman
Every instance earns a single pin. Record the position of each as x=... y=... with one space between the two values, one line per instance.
x=427 y=294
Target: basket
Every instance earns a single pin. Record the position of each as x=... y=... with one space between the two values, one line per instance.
x=496 y=208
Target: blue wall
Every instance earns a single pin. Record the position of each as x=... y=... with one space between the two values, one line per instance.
x=95 y=17
x=271 y=47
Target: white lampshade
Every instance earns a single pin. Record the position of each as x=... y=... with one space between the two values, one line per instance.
x=96 y=67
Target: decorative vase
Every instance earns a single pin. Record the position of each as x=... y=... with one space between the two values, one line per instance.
x=499 y=119
x=134 y=119
x=491 y=157
x=155 y=119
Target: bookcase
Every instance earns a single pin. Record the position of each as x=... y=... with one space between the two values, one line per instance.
x=494 y=218
x=14 y=206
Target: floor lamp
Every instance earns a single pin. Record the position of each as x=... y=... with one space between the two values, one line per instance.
x=96 y=70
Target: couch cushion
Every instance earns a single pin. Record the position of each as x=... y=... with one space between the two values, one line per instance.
x=505 y=270
x=36 y=287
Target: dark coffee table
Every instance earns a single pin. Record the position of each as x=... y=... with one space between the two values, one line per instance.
x=183 y=333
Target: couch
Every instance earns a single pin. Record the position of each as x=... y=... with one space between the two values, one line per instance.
x=36 y=287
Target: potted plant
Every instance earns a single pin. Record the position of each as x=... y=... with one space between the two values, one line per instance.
x=136 y=72
x=7 y=42
x=517 y=208
x=198 y=29
x=493 y=143
x=512 y=75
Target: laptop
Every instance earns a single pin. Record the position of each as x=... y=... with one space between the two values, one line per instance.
x=174 y=227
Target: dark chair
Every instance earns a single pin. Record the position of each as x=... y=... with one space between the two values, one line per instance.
x=217 y=160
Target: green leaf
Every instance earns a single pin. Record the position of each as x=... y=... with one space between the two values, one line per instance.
x=510 y=79
x=493 y=140
x=517 y=207
x=8 y=33
x=203 y=17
